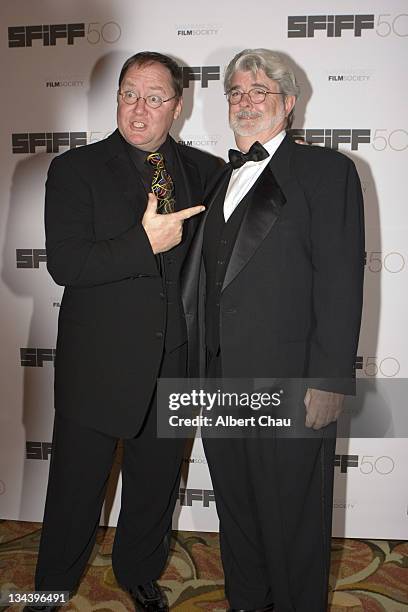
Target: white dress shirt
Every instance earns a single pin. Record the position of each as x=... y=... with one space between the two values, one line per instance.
x=244 y=177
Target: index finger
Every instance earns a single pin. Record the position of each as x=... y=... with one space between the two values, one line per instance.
x=186 y=213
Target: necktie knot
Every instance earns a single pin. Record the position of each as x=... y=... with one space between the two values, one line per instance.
x=256 y=153
x=162 y=184
x=156 y=160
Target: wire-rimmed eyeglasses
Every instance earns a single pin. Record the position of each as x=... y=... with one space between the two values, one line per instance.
x=256 y=95
x=153 y=101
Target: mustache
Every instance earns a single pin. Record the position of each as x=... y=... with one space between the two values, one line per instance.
x=245 y=114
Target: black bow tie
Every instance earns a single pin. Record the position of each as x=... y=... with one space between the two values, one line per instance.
x=256 y=153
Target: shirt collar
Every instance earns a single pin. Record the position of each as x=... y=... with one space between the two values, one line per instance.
x=165 y=149
x=272 y=145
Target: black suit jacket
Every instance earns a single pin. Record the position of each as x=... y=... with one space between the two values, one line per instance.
x=291 y=298
x=112 y=319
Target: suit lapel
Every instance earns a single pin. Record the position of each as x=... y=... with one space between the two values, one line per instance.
x=188 y=178
x=220 y=183
x=192 y=264
x=266 y=200
x=123 y=171
x=187 y=184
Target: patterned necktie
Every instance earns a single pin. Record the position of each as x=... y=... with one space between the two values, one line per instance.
x=256 y=153
x=162 y=185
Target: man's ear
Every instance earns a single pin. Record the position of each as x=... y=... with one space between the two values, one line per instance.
x=289 y=104
x=178 y=108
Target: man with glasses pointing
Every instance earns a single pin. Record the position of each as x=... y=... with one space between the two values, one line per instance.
x=115 y=239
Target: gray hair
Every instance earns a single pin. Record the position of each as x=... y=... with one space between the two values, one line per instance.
x=252 y=60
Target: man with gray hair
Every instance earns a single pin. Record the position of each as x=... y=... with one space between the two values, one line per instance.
x=282 y=246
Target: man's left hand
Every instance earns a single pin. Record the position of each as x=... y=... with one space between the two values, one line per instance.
x=322 y=407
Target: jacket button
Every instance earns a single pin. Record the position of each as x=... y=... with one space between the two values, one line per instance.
x=159 y=334
x=162 y=295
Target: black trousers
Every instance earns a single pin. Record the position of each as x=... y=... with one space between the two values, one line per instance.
x=81 y=463
x=274 y=501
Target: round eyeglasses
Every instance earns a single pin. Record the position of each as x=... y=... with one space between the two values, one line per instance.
x=153 y=101
x=256 y=95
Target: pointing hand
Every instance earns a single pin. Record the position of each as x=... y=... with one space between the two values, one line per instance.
x=165 y=231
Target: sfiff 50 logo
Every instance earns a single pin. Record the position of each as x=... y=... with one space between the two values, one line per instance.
x=333 y=137
x=305 y=26
x=383 y=25
x=48 y=35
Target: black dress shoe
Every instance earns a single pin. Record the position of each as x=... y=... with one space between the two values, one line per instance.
x=149 y=597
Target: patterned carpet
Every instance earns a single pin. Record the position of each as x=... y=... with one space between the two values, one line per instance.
x=366 y=575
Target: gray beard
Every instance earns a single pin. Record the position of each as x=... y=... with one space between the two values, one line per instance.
x=258 y=127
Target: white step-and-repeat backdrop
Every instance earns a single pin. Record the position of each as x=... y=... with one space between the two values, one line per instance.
x=60 y=62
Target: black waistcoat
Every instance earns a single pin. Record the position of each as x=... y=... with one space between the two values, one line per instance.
x=219 y=240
